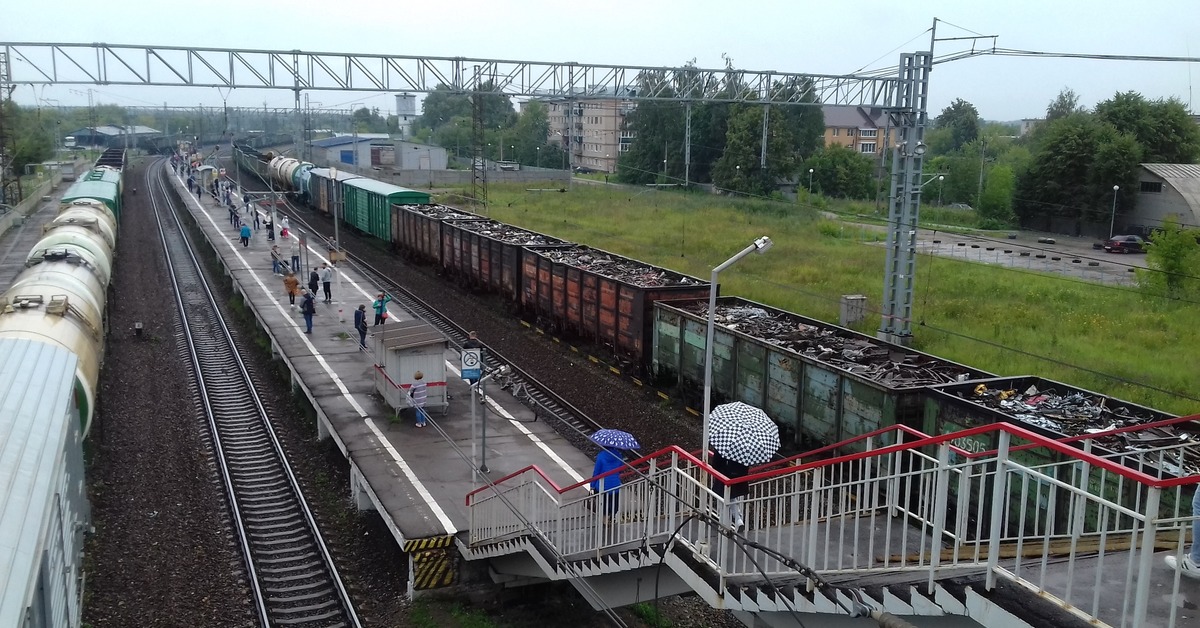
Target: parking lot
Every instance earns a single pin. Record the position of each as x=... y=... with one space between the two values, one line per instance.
x=1071 y=256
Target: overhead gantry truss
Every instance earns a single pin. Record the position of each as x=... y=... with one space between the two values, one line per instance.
x=34 y=63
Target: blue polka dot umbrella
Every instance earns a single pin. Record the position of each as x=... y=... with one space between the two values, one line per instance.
x=742 y=433
x=616 y=439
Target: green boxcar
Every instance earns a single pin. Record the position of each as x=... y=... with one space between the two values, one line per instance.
x=814 y=402
x=101 y=184
x=367 y=205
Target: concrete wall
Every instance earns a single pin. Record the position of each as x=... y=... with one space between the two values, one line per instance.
x=30 y=204
x=422 y=179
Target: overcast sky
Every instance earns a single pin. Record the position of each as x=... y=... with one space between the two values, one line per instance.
x=792 y=36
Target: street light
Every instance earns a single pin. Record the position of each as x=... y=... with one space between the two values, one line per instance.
x=539 y=155
x=1113 y=221
x=941 y=178
x=759 y=246
x=810 y=173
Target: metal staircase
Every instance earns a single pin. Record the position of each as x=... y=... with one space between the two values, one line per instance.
x=1036 y=532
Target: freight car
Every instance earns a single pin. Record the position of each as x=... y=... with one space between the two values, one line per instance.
x=417 y=229
x=367 y=205
x=587 y=293
x=488 y=255
x=325 y=188
x=52 y=327
x=1055 y=410
x=822 y=383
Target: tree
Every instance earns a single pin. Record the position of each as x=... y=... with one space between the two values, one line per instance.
x=366 y=120
x=1164 y=128
x=1173 y=255
x=840 y=171
x=805 y=123
x=740 y=167
x=962 y=119
x=442 y=105
x=658 y=128
x=996 y=205
x=1066 y=103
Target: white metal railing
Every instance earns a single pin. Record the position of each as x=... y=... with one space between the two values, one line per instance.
x=1073 y=528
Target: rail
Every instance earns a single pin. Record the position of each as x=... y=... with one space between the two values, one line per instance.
x=290 y=572
x=1075 y=527
x=533 y=392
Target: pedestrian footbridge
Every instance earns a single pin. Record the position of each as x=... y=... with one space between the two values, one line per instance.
x=909 y=528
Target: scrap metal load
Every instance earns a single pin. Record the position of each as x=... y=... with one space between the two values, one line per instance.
x=839 y=347
x=1065 y=412
x=508 y=233
x=622 y=269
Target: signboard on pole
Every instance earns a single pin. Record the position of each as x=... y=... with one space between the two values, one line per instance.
x=472 y=364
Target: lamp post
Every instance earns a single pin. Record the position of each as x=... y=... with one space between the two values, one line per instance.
x=759 y=246
x=337 y=244
x=941 y=178
x=539 y=156
x=1113 y=221
x=810 y=173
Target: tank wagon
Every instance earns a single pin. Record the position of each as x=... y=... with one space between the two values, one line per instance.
x=822 y=383
x=52 y=328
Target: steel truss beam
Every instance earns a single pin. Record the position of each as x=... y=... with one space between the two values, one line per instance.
x=33 y=63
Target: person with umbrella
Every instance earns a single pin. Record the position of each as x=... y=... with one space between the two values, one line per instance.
x=610 y=458
x=741 y=436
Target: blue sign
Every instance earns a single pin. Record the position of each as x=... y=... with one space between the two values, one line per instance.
x=472 y=364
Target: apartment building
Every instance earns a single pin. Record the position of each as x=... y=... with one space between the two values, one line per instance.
x=595 y=130
x=863 y=129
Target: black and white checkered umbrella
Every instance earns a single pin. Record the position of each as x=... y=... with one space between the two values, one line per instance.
x=742 y=433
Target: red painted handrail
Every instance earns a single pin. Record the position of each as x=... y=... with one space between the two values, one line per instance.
x=1035 y=440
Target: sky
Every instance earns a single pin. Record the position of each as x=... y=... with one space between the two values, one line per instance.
x=804 y=36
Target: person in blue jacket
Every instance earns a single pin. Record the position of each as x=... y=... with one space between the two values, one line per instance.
x=360 y=324
x=607 y=460
x=245 y=233
x=380 y=307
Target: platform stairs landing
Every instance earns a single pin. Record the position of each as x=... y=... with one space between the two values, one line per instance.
x=1035 y=532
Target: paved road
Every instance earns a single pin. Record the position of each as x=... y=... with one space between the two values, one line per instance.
x=1069 y=256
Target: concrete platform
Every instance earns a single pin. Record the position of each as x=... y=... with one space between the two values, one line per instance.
x=416 y=478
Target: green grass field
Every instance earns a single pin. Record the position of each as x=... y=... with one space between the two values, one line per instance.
x=998 y=320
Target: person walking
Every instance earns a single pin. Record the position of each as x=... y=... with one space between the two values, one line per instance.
x=291 y=285
x=733 y=470
x=609 y=459
x=1189 y=564
x=313 y=280
x=308 y=307
x=380 y=307
x=295 y=252
x=417 y=396
x=276 y=260
x=284 y=227
x=326 y=280
x=254 y=212
x=360 y=324
x=246 y=235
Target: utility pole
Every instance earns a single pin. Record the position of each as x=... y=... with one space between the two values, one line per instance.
x=478 y=160
x=687 y=144
x=10 y=188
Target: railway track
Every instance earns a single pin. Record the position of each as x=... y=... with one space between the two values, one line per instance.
x=291 y=574
x=526 y=388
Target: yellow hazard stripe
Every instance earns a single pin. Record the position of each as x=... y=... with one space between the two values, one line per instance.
x=433 y=542
x=432 y=569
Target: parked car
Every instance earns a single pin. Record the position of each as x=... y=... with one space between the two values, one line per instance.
x=1125 y=244
x=963 y=206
